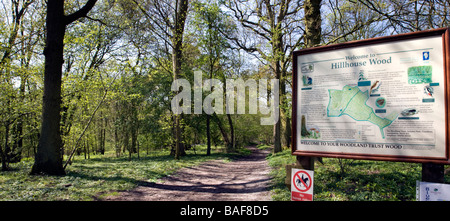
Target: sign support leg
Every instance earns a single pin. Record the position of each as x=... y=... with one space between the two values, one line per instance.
x=306 y=163
x=432 y=172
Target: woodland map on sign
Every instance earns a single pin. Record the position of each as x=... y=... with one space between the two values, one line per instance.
x=351 y=101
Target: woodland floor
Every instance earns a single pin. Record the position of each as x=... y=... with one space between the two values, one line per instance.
x=243 y=179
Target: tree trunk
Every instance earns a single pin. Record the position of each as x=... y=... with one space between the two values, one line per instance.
x=4 y=155
x=48 y=158
x=3 y=159
x=116 y=141
x=208 y=135
x=85 y=151
x=276 y=50
x=277 y=136
x=222 y=131
x=232 y=146
x=313 y=22
x=180 y=18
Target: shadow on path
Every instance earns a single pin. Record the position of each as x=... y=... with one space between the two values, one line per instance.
x=245 y=178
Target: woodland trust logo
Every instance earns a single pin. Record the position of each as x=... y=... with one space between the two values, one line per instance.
x=256 y=94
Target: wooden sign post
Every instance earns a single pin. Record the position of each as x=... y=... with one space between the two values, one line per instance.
x=432 y=172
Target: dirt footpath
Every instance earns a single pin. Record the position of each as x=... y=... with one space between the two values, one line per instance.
x=244 y=179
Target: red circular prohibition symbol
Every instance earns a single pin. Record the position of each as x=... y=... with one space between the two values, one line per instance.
x=301 y=180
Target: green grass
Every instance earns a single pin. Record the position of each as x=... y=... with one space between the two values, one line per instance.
x=263 y=146
x=361 y=180
x=97 y=177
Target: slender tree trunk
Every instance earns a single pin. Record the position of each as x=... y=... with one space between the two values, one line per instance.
x=4 y=155
x=103 y=141
x=87 y=148
x=208 y=135
x=180 y=18
x=277 y=136
x=3 y=158
x=288 y=131
x=276 y=51
x=222 y=130
x=232 y=146
x=116 y=142
x=85 y=151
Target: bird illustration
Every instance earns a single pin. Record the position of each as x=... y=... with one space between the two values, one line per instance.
x=428 y=91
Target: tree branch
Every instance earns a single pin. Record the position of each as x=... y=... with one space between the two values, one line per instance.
x=82 y=12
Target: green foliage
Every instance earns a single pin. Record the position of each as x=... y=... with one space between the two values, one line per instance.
x=263 y=146
x=278 y=173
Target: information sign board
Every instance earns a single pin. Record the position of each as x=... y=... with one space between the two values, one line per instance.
x=382 y=98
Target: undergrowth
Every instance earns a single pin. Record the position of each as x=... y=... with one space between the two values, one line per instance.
x=351 y=180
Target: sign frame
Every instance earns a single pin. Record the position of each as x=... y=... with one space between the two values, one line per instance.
x=444 y=32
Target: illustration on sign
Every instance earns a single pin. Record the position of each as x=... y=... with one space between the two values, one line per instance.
x=302 y=185
x=302 y=181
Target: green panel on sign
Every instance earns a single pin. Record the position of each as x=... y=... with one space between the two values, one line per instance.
x=419 y=74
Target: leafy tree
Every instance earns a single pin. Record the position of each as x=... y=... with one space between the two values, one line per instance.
x=20 y=35
x=168 y=19
x=276 y=24
x=210 y=25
